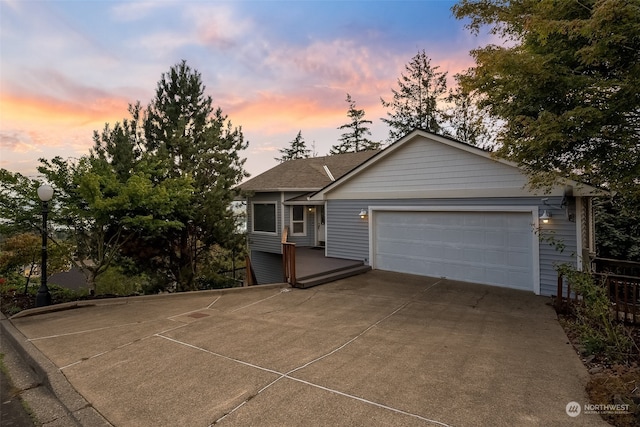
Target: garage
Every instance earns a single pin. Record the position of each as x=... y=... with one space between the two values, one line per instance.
x=494 y=247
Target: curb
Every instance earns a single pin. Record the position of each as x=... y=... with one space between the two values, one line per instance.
x=79 y=411
x=126 y=300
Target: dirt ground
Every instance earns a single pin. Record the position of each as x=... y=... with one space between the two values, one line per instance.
x=612 y=383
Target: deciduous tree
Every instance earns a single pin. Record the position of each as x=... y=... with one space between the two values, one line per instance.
x=567 y=87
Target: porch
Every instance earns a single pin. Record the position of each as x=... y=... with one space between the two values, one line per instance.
x=304 y=267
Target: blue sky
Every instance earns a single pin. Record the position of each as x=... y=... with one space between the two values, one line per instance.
x=274 y=67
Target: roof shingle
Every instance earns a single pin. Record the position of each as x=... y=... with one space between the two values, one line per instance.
x=306 y=174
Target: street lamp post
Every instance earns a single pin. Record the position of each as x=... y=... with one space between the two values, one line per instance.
x=43 y=298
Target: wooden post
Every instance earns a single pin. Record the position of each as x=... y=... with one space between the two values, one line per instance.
x=559 y=305
x=289 y=262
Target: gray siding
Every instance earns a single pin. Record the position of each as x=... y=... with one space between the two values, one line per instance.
x=267 y=267
x=309 y=239
x=348 y=235
x=262 y=241
x=266 y=242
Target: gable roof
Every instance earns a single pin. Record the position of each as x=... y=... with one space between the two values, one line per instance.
x=310 y=174
x=424 y=164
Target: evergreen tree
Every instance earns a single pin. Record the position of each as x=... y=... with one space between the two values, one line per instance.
x=466 y=121
x=415 y=103
x=356 y=139
x=297 y=150
x=186 y=137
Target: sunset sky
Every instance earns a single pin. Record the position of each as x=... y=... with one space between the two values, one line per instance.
x=274 y=67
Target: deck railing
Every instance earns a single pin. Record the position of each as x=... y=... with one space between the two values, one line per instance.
x=288 y=258
x=615 y=266
x=623 y=290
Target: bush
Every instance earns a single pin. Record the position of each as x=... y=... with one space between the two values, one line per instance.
x=598 y=332
x=114 y=281
x=215 y=282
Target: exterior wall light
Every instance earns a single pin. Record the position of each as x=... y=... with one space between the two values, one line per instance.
x=363 y=213
x=545 y=217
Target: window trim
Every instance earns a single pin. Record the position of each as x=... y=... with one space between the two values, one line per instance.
x=275 y=217
x=303 y=221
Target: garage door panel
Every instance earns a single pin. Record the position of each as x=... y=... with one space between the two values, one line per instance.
x=484 y=247
x=495 y=239
x=519 y=260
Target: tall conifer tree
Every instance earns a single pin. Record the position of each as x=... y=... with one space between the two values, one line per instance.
x=415 y=102
x=356 y=138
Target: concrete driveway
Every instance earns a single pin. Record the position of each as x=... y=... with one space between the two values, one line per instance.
x=377 y=349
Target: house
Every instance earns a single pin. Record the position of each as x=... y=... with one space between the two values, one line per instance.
x=279 y=198
x=430 y=205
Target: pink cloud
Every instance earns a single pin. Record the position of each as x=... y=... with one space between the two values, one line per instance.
x=217 y=25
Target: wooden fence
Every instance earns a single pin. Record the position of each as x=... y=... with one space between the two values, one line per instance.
x=622 y=289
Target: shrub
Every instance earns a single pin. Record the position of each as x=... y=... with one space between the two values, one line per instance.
x=114 y=281
x=597 y=330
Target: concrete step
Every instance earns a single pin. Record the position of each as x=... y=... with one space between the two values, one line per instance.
x=333 y=270
x=332 y=276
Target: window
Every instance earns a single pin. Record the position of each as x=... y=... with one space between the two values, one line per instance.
x=264 y=217
x=298 y=220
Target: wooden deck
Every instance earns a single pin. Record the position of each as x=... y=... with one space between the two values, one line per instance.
x=313 y=268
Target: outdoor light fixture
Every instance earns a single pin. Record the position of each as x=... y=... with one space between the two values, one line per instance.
x=311 y=209
x=545 y=217
x=564 y=206
x=363 y=213
x=43 y=298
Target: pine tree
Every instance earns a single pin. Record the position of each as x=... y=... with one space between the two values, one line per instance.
x=466 y=121
x=186 y=136
x=356 y=139
x=415 y=103
x=297 y=150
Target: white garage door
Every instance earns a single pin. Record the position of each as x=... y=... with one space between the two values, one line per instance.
x=483 y=247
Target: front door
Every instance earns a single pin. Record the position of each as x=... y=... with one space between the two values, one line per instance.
x=320 y=226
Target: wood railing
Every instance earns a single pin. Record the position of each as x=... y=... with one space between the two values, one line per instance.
x=289 y=262
x=615 y=266
x=624 y=294
x=622 y=289
x=288 y=258
x=250 y=276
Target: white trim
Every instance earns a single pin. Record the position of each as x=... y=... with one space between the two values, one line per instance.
x=304 y=221
x=285 y=190
x=318 y=225
x=253 y=216
x=579 y=264
x=329 y=174
x=282 y=223
x=447 y=194
x=535 y=243
x=326 y=230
